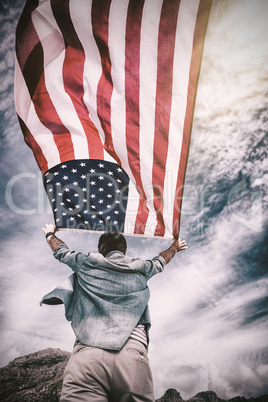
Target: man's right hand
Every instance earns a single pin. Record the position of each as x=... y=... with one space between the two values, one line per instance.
x=179 y=245
x=176 y=246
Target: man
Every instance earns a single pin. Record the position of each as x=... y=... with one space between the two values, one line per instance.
x=108 y=308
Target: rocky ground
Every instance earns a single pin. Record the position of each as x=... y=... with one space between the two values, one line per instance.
x=35 y=377
x=38 y=377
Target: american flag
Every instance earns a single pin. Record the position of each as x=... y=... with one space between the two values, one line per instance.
x=88 y=195
x=112 y=83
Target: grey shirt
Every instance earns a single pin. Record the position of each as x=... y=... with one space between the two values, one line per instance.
x=106 y=297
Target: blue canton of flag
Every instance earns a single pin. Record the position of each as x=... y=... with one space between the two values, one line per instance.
x=88 y=195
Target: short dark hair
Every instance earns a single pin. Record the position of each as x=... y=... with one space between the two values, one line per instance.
x=110 y=241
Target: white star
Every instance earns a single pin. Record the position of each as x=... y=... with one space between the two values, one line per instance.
x=53 y=200
x=100 y=201
x=84 y=189
x=66 y=190
x=101 y=189
x=75 y=183
x=48 y=181
x=118 y=191
x=76 y=195
x=93 y=216
x=51 y=189
x=56 y=173
x=116 y=212
x=65 y=177
x=58 y=183
x=64 y=166
x=100 y=221
x=101 y=165
x=60 y=194
x=62 y=203
x=77 y=206
x=84 y=200
x=83 y=176
x=108 y=218
x=79 y=215
x=55 y=210
x=109 y=196
x=110 y=173
x=117 y=202
x=92 y=196
x=100 y=213
x=82 y=164
x=119 y=181
x=68 y=200
x=86 y=222
x=93 y=207
x=115 y=222
x=100 y=178
x=85 y=211
x=74 y=170
x=92 y=170
x=71 y=219
x=108 y=206
x=64 y=213
x=119 y=170
x=110 y=184
x=92 y=183
x=70 y=209
x=57 y=220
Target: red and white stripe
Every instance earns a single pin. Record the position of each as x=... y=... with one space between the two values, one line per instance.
x=114 y=80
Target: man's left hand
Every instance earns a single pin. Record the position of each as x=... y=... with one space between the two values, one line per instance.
x=49 y=228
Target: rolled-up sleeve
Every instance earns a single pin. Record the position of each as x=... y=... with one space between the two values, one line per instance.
x=154 y=266
x=69 y=257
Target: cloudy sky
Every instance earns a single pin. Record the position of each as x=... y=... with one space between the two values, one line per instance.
x=209 y=308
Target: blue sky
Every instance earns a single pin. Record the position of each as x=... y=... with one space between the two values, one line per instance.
x=209 y=308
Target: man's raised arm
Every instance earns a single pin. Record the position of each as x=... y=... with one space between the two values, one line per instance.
x=176 y=246
x=52 y=240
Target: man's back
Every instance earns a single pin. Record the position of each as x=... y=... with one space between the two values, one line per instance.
x=110 y=295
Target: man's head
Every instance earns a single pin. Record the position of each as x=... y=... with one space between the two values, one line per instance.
x=110 y=241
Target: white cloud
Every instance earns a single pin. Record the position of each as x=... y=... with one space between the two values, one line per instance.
x=199 y=308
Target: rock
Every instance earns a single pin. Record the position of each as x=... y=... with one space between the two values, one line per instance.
x=263 y=398
x=35 y=377
x=211 y=396
x=207 y=396
x=38 y=377
x=171 y=395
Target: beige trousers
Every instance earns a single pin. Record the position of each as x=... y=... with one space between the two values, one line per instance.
x=97 y=375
